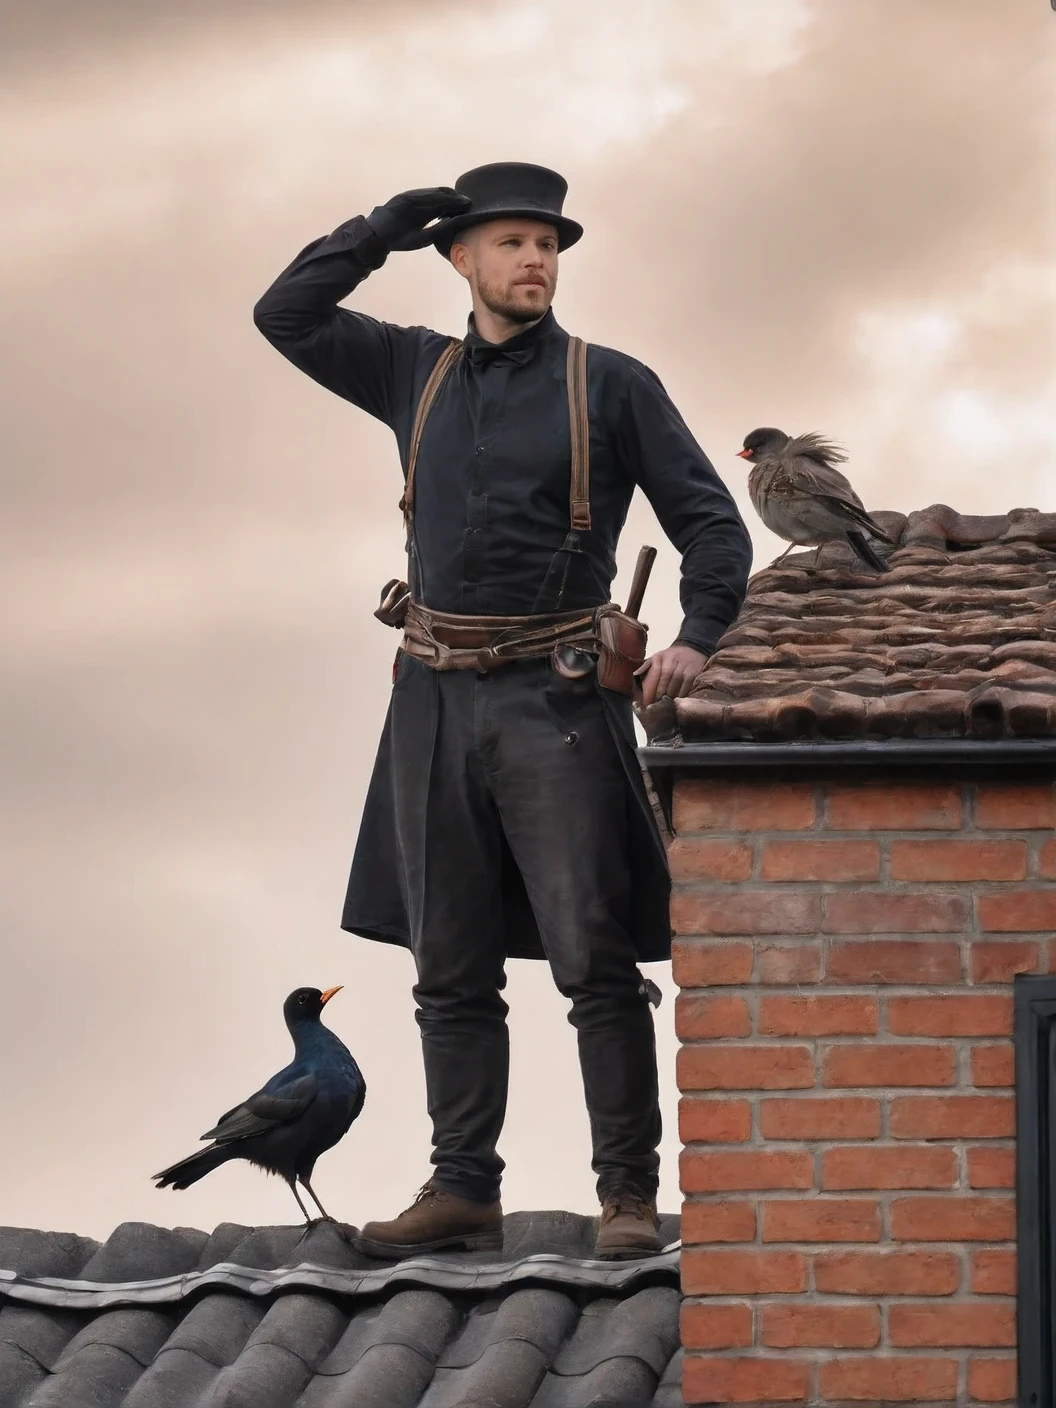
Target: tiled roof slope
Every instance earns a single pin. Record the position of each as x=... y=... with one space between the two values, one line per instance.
x=957 y=641
x=545 y=1328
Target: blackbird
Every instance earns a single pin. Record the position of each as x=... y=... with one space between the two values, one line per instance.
x=298 y=1115
x=801 y=496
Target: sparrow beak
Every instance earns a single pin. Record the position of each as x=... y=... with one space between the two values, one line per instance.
x=326 y=996
x=744 y=454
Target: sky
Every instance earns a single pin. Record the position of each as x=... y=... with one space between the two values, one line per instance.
x=810 y=213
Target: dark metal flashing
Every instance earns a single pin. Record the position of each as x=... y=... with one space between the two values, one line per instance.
x=1035 y=1036
x=435 y=1272
x=894 y=753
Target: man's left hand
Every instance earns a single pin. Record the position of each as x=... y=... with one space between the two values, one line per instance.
x=670 y=672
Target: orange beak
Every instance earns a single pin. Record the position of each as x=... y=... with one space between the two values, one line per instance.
x=744 y=454
x=326 y=996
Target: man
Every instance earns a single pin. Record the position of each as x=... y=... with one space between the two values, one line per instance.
x=507 y=814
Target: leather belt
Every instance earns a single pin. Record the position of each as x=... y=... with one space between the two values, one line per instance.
x=576 y=641
x=445 y=641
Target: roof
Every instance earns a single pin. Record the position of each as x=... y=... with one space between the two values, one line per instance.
x=957 y=641
x=268 y=1318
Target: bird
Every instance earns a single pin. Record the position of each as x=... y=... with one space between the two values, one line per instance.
x=299 y=1114
x=801 y=496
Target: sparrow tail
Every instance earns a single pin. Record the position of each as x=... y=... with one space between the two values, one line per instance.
x=865 y=550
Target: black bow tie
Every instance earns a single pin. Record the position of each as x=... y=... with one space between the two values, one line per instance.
x=483 y=354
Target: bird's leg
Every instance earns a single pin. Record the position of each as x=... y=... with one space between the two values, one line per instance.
x=315 y=1200
x=781 y=559
x=304 y=1210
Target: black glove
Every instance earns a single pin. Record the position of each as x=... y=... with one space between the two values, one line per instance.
x=400 y=221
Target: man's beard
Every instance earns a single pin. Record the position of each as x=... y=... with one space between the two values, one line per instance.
x=503 y=304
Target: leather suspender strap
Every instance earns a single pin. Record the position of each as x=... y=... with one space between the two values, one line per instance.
x=578 y=420
x=444 y=363
x=579 y=425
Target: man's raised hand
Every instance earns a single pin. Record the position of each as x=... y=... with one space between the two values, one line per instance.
x=400 y=221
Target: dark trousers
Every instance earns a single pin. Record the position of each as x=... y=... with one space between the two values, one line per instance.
x=519 y=765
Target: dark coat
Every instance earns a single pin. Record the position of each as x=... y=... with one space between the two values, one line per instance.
x=375 y=906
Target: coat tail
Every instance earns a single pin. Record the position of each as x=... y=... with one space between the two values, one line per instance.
x=866 y=551
x=196 y=1166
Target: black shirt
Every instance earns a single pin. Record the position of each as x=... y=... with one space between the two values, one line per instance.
x=492 y=480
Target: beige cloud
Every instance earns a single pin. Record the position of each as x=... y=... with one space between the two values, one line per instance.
x=824 y=215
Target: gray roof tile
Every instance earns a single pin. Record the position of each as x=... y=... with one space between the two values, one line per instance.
x=308 y=1323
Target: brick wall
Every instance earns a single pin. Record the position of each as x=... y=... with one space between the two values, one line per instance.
x=845 y=952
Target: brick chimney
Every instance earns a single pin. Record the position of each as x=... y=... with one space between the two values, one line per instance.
x=851 y=914
x=846 y=956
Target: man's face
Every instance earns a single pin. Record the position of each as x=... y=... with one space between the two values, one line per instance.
x=511 y=266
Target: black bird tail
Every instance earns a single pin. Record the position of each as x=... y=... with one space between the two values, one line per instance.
x=189 y=1170
x=865 y=550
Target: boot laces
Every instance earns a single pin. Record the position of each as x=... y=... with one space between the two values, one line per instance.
x=625 y=1200
x=427 y=1193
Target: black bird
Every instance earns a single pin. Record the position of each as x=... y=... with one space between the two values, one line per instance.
x=801 y=496
x=298 y=1115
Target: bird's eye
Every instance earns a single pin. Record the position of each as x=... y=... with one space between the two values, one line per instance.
x=303 y=998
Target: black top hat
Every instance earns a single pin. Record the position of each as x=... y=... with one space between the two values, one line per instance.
x=507 y=190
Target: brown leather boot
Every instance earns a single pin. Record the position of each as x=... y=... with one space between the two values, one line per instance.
x=435 y=1220
x=628 y=1227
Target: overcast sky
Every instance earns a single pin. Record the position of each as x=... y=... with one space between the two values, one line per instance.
x=809 y=213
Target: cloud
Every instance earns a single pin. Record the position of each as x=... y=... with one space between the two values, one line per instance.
x=824 y=215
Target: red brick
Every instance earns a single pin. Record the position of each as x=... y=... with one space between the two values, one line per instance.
x=821 y=1220
x=994 y=1273
x=716 y=1326
x=818 y=1016
x=894 y=912
x=958 y=860
x=742 y=1273
x=994 y=1064
x=907 y=1379
x=990 y=1167
x=992 y=1380
x=883 y=1064
x=744 y=1068
x=1017 y=911
x=704 y=805
x=869 y=1273
x=706 y=1379
x=821 y=1326
x=911 y=961
x=904 y=1166
x=714 y=1121
x=699 y=1016
x=1000 y=961
x=974 y=1014
x=744 y=912
x=1015 y=807
x=953 y=1218
x=926 y=1325
x=694 y=858
x=724 y=1220
x=697 y=965
x=821 y=860
x=789 y=963
x=953 y=1117
x=1047 y=861
x=884 y=806
x=831 y=1117
x=744 y=1170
